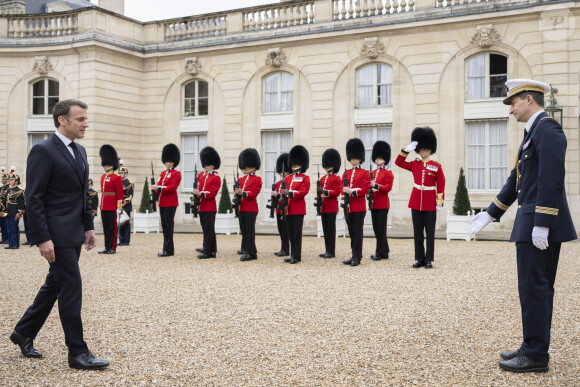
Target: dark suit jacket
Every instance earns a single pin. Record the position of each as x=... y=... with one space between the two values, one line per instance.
x=57 y=195
x=537 y=183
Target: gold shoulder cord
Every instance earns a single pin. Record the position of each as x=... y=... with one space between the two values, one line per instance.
x=517 y=172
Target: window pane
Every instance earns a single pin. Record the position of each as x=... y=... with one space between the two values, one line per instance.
x=38 y=106
x=497 y=86
x=285 y=141
x=476 y=77
x=384 y=74
x=189 y=90
x=476 y=66
x=53 y=88
x=188 y=107
x=475 y=133
x=287 y=82
x=384 y=98
x=365 y=76
x=51 y=102
x=365 y=86
x=203 y=107
x=38 y=89
x=270 y=102
x=271 y=84
x=497 y=64
x=203 y=89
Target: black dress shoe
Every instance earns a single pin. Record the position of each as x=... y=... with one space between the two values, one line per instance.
x=386 y=256
x=205 y=256
x=241 y=252
x=287 y=260
x=428 y=265
x=418 y=264
x=520 y=363
x=354 y=262
x=376 y=257
x=111 y=252
x=248 y=257
x=26 y=345
x=508 y=355
x=347 y=262
x=123 y=244
x=86 y=361
x=26 y=243
x=295 y=260
x=200 y=250
x=281 y=253
x=329 y=255
x=164 y=254
x=103 y=251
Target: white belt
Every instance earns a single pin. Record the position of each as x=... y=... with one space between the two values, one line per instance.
x=425 y=188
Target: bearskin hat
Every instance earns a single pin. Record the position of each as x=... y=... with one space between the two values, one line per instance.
x=331 y=158
x=209 y=156
x=282 y=164
x=383 y=150
x=426 y=139
x=355 y=149
x=171 y=153
x=249 y=158
x=109 y=156
x=299 y=156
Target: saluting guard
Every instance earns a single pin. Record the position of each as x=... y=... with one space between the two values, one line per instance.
x=93 y=199
x=128 y=188
x=282 y=169
x=428 y=192
x=167 y=192
x=331 y=186
x=359 y=183
x=381 y=184
x=209 y=183
x=111 y=197
x=250 y=186
x=15 y=207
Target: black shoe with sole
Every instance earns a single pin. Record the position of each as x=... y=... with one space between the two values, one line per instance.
x=347 y=262
x=508 y=355
x=376 y=257
x=418 y=264
x=200 y=250
x=281 y=253
x=295 y=260
x=522 y=364
x=26 y=345
x=205 y=256
x=428 y=265
x=164 y=254
x=86 y=361
x=248 y=257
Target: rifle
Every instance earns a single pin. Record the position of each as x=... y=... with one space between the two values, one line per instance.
x=237 y=198
x=371 y=194
x=273 y=200
x=195 y=200
x=318 y=202
x=345 y=197
x=284 y=200
x=154 y=193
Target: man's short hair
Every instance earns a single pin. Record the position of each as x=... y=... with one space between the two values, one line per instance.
x=536 y=96
x=62 y=108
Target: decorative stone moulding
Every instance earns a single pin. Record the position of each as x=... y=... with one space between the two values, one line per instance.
x=41 y=65
x=275 y=57
x=192 y=65
x=372 y=47
x=485 y=36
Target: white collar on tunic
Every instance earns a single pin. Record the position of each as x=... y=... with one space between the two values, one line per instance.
x=532 y=119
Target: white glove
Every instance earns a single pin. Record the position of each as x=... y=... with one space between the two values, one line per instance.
x=540 y=237
x=119 y=211
x=439 y=208
x=411 y=147
x=479 y=221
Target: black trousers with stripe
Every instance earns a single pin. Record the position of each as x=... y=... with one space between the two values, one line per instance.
x=295 y=232
x=283 y=231
x=109 y=219
x=356 y=223
x=207 y=220
x=379 y=218
x=329 y=229
x=248 y=228
x=167 y=223
x=424 y=220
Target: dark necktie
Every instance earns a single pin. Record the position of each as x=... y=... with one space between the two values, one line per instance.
x=78 y=158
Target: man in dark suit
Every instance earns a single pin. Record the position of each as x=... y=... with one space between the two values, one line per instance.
x=542 y=221
x=60 y=222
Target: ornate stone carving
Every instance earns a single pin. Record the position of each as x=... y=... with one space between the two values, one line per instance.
x=275 y=57
x=485 y=36
x=192 y=65
x=41 y=64
x=372 y=47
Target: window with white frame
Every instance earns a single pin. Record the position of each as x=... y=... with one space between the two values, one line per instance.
x=45 y=94
x=274 y=143
x=36 y=137
x=374 y=85
x=486 y=76
x=192 y=144
x=370 y=135
x=278 y=92
x=195 y=99
x=486 y=154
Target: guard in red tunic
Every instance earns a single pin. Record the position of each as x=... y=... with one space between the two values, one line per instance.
x=331 y=186
x=298 y=185
x=250 y=186
x=358 y=185
x=167 y=189
x=282 y=169
x=381 y=184
x=111 y=197
x=428 y=192
x=209 y=183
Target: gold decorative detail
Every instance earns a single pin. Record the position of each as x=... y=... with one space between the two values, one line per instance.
x=485 y=36
x=41 y=64
x=275 y=57
x=192 y=65
x=547 y=210
x=372 y=47
x=500 y=205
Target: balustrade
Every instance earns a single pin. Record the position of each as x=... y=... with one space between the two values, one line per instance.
x=450 y=3
x=42 y=25
x=352 y=9
x=198 y=27
x=278 y=16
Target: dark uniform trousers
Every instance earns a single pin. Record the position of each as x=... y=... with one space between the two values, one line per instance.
x=283 y=231
x=424 y=220
x=167 y=222
x=295 y=233
x=125 y=231
x=13 y=231
x=207 y=220
x=248 y=228
x=536 y=277
x=379 y=218
x=329 y=229
x=109 y=219
x=3 y=228
x=63 y=283
x=356 y=223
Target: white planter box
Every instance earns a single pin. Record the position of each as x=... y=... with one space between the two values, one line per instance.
x=146 y=223
x=340 y=226
x=226 y=224
x=458 y=227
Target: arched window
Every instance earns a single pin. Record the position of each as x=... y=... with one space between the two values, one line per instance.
x=195 y=99
x=278 y=92
x=45 y=94
x=486 y=76
x=374 y=86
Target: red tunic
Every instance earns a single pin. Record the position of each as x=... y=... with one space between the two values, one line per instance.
x=111 y=192
x=359 y=180
x=169 y=180
x=384 y=178
x=298 y=186
x=251 y=185
x=332 y=186
x=429 y=188
x=278 y=188
x=208 y=184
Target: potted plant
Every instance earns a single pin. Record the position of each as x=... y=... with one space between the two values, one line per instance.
x=458 y=222
x=145 y=220
x=225 y=221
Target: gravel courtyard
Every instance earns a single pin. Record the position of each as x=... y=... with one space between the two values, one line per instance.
x=184 y=321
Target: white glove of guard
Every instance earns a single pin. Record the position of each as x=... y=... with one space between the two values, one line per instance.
x=119 y=211
x=439 y=208
x=411 y=147
x=540 y=237
x=479 y=221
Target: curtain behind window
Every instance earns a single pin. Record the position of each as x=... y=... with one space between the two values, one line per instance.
x=476 y=77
